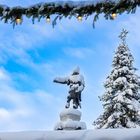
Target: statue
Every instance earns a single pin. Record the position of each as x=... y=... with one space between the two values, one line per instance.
x=76 y=85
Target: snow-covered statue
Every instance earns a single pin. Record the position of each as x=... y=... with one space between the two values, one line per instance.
x=76 y=85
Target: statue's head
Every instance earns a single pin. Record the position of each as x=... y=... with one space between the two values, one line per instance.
x=76 y=71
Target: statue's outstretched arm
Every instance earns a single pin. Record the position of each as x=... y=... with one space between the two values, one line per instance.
x=61 y=80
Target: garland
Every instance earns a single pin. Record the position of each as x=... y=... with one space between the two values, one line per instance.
x=68 y=9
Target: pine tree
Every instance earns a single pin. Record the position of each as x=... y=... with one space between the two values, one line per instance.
x=121 y=100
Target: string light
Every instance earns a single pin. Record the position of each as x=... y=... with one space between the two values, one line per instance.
x=48 y=19
x=114 y=15
x=18 y=20
x=79 y=18
x=109 y=8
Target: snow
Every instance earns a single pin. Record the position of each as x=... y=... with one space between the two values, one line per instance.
x=4 y=6
x=76 y=3
x=61 y=80
x=75 y=81
x=120 y=80
x=119 y=97
x=100 y=134
x=70 y=125
x=70 y=120
x=70 y=111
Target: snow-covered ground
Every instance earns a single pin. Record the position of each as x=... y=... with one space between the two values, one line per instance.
x=100 y=134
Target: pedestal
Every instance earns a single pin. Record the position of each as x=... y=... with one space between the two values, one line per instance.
x=70 y=120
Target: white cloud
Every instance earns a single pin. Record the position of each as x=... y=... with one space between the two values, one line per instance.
x=79 y=52
x=17 y=42
x=25 y=110
x=4 y=75
x=4 y=114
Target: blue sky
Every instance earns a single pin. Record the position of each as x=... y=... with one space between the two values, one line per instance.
x=31 y=56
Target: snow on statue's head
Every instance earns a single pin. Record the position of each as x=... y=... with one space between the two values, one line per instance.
x=76 y=71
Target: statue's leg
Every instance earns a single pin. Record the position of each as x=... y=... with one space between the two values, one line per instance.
x=80 y=96
x=68 y=102
x=79 y=99
x=75 y=106
x=75 y=103
x=76 y=100
x=79 y=104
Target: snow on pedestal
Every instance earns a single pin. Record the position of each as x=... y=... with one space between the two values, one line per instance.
x=70 y=120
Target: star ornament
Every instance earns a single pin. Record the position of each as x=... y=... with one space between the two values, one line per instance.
x=123 y=35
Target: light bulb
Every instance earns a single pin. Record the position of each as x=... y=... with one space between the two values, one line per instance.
x=114 y=15
x=48 y=19
x=18 y=20
x=79 y=18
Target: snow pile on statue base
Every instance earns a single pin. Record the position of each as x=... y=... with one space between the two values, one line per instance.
x=70 y=120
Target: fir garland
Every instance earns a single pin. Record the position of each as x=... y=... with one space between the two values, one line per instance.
x=68 y=9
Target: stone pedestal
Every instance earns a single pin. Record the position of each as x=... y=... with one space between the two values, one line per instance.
x=70 y=120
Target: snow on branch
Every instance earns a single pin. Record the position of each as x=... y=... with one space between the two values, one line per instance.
x=68 y=9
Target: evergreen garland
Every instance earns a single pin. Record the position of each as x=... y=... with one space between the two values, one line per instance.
x=68 y=9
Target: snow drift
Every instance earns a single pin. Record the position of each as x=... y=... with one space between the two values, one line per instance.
x=99 y=134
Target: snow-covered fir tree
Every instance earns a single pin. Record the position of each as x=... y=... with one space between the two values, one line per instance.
x=121 y=100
